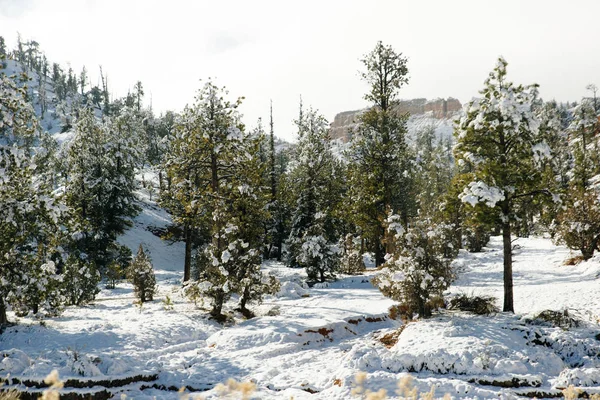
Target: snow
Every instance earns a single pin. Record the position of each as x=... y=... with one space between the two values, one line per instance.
x=479 y=191
x=317 y=339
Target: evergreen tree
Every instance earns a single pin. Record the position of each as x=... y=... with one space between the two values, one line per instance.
x=276 y=223
x=216 y=179
x=556 y=168
x=417 y=272
x=351 y=261
x=313 y=234
x=80 y=279
x=141 y=275
x=101 y=161
x=379 y=160
x=434 y=170
x=496 y=139
x=2 y=47
x=28 y=212
x=580 y=221
x=83 y=77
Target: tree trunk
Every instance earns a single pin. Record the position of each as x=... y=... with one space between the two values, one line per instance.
x=243 y=301
x=187 y=267
x=3 y=317
x=587 y=251
x=279 y=243
x=216 y=312
x=508 y=277
x=160 y=181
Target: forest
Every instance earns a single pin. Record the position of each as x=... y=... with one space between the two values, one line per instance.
x=519 y=166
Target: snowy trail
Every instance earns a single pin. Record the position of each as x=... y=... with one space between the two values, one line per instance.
x=541 y=280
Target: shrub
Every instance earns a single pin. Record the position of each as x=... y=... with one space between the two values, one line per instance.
x=141 y=274
x=351 y=262
x=417 y=272
x=560 y=319
x=114 y=273
x=579 y=223
x=476 y=238
x=318 y=255
x=480 y=305
x=80 y=280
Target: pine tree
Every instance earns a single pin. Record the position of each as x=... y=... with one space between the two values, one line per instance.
x=496 y=139
x=556 y=168
x=434 y=170
x=141 y=275
x=101 y=161
x=216 y=179
x=201 y=157
x=276 y=223
x=417 y=272
x=379 y=160
x=313 y=234
x=2 y=47
x=579 y=223
x=28 y=212
x=80 y=279
x=351 y=261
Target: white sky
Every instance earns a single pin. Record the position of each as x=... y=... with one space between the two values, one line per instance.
x=280 y=50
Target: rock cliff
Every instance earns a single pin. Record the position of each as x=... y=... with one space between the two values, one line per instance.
x=437 y=110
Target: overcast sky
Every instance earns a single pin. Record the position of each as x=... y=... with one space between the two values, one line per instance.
x=280 y=50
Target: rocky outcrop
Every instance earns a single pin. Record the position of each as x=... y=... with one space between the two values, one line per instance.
x=345 y=122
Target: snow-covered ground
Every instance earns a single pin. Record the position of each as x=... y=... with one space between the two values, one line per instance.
x=310 y=343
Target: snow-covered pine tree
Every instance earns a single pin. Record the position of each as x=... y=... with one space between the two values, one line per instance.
x=216 y=181
x=276 y=223
x=200 y=153
x=141 y=275
x=434 y=170
x=417 y=272
x=579 y=222
x=555 y=169
x=496 y=140
x=379 y=160
x=28 y=212
x=101 y=161
x=319 y=256
x=313 y=178
x=80 y=279
x=122 y=156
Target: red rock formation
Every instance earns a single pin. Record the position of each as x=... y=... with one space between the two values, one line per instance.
x=345 y=122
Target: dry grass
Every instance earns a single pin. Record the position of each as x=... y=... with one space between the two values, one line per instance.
x=574 y=260
x=390 y=339
x=480 y=305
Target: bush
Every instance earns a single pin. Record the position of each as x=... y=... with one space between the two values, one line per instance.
x=480 y=305
x=141 y=274
x=417 y=273
x=579 y=223
x=560 y=319
x=476 y=238
x=317 y=254
x=114 y=273
x=351 y=262
x=80 y=279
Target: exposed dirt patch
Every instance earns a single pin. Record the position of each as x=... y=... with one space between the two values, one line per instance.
x=391 y=338
x=322 y=331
